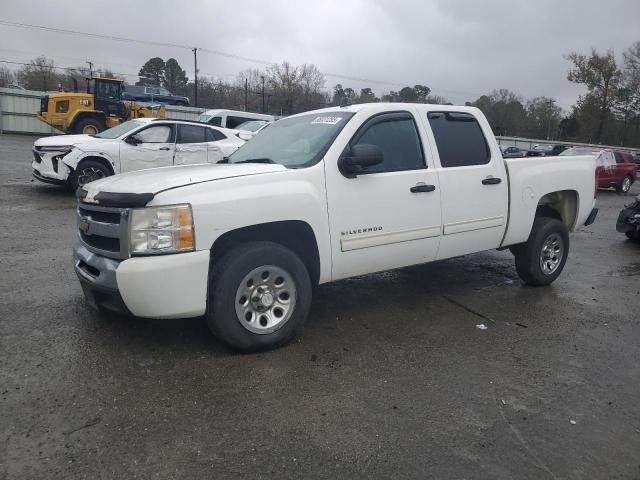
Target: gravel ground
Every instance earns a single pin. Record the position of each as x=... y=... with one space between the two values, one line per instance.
x=391 y=379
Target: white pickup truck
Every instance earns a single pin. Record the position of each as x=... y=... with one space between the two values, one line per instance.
x=318 y=197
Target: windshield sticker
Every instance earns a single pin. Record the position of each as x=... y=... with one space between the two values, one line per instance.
x=327 y=120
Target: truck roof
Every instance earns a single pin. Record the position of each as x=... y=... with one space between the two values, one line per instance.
x=396 y=106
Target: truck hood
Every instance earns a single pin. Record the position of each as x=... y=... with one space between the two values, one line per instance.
x=138 y=188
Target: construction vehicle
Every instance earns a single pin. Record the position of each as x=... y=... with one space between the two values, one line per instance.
x=101 y=107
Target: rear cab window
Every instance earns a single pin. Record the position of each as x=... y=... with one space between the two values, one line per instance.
x=459 y=139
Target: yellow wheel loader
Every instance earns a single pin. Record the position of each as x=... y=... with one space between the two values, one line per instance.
x=101 y=107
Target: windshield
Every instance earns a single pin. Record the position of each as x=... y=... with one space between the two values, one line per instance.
x=296 y=141
x=251 y=126
x=119 y=130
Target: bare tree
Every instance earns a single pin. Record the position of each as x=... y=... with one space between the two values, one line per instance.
x=7 y=77
x=39 y=75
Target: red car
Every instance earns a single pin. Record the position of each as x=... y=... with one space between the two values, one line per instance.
x=614 y=168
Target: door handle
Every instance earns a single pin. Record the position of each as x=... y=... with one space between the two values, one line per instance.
x=422 y=188
x=164 y=148
x=491 y=181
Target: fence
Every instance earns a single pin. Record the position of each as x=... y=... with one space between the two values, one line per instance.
x=18 y=113
x=528 y=143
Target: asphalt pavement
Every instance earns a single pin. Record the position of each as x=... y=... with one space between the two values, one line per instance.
x=391 y=379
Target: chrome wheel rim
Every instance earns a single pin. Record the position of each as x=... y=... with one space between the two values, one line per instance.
x=89 y=174
x=626 y=184
x=265 y=299
x=551 y=254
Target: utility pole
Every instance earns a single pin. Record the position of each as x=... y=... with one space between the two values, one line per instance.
x=263 y=94
x=195 y=81
x=90 y=67
x=246 y=94
x=550 y=103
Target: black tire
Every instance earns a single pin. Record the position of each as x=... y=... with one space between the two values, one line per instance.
x=80 y=176
x=226 y=277
x=633 y=236
x=529 y=264
x=625 y=185
x=90 y=125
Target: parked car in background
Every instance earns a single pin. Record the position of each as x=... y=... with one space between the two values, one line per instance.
x=134 y=145
x=511 y=152
x=15 y=86
x=136 y=93
x=232 y=118
x=251 y=128
x=614 y=168
x=546 y=150
x=636 y=158
x=629 y=220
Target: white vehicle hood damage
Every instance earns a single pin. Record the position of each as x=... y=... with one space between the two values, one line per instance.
x=63 y=140
x=138 y=188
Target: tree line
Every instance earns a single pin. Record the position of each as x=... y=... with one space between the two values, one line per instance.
x=609 y=113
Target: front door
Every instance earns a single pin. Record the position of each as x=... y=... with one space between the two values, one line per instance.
x=191 y=145
x=474 y=185
x=153 y=147
x=388 y=216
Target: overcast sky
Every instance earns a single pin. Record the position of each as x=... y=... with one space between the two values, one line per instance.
x=459 y=48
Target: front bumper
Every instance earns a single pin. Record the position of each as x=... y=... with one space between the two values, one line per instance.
x=161 y=286
x=45 y=172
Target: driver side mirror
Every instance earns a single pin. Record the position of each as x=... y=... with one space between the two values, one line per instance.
x=355 y=160
x=133 y=140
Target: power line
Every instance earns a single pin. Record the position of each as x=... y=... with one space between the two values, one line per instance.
x=207 y=50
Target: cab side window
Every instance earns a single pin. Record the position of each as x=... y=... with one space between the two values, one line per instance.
x=156 y=134
x=215 y=121
x=397 y=136
x=459 y=139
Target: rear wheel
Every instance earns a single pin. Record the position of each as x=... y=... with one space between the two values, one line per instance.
x=259 y=296
x=90 y=126
x=541 y=259
x=88 y=171
x=625 y=185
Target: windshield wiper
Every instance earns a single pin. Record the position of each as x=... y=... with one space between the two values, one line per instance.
x=256 y=160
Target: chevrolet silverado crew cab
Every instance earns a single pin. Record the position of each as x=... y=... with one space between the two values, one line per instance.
x=318 y=197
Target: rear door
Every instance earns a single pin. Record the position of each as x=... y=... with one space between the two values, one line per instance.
x=155 y=148
x=473 y=182
x=191 y=145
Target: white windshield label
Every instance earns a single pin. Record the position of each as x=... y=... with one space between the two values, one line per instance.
x=327 y=120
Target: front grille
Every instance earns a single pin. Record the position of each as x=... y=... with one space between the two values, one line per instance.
x=104 y=230
x=101 y=243
x=101 y=216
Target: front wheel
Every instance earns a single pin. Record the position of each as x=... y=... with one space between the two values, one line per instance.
x=259 y=296
x=86 y=172
x=541 y=259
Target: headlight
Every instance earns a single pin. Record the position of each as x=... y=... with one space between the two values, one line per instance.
x=155 y=230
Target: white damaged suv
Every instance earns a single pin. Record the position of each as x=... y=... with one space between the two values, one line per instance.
x=134 y=145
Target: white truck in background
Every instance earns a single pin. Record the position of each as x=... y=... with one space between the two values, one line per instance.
x=318 y=197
